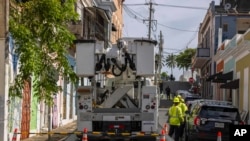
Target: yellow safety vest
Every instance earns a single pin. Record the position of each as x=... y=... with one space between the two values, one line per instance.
x=175 y=115
x=183 y=107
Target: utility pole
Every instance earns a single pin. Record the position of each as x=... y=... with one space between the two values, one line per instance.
x=160 y=51
x=159 y=63
x=4 y=18
x=150 y=20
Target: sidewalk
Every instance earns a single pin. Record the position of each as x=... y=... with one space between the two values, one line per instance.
x=68 y=128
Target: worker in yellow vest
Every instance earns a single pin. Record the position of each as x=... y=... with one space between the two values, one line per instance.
x=184 y=108
x=175 y=119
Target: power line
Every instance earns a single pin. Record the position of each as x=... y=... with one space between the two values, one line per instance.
x=129 y=10
x=188 y=7
x=139 y=17
x=171 y=48
x=192 y=38
x=176 y=28
x=167 y=5
x=131 y=13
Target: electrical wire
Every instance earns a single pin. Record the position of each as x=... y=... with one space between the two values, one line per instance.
x=176 y=28
x=140 y=18
x=134 y=16
x=188 y=7
x=192 y=38
x=167 y=5
x=134 y=13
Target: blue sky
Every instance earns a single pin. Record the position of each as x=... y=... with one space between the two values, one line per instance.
x=178 y=20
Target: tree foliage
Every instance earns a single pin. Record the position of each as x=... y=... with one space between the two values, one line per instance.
x=159 y=58
x=164 y=74
x=42 y=39
x=171 y=62
x=184 y=59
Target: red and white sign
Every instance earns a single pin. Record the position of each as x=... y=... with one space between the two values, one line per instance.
x=191 y=80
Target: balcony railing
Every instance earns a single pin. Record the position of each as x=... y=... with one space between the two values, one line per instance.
x=201 y=57
x=76 y=28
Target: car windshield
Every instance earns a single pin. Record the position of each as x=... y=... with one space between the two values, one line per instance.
x=220 y=112
x=191 y=98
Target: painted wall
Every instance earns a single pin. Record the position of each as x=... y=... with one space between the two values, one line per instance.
x=14 y=105
x=68 y=98
x=229 y=65
x=242 y=67
x=34 y=111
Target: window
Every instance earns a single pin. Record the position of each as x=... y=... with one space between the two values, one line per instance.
x=220 y=112
x=195 y=109
x=225 y=28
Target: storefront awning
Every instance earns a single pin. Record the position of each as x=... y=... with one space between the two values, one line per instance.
x=219 y=81
x=213 y=76
x=231 y=85
x=226 y=76
x=220 y=77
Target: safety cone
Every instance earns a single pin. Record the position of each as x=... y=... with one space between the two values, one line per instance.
x=166 y=128
x=219 y=136
x=163 y=137
x=85 y=136
x=14 y=138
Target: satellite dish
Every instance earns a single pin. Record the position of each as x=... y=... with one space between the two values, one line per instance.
x=227 y=6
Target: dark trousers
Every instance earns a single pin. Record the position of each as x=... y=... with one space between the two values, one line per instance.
x=182 y=127
x=174 y=129
x=168 y=96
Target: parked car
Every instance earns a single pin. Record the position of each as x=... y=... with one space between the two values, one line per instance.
x=191 y=97
x=207 y=117
x=183 y=93
x=192 y=103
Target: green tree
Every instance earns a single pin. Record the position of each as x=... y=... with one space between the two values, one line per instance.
x=164 y=75
x=39 y=28
x=158 y=58
x=171 y=62
x=184 y=59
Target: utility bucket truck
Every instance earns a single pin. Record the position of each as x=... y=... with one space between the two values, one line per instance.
x=116 y=97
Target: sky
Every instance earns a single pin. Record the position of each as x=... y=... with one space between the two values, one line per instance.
x=178 y=20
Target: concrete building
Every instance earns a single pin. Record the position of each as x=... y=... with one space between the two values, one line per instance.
x=232 y=58
x=4 y=18
x=97 y=20
x=242 y=73
x=117 y=21
x=225 y=63
x=222 y=53
x=221 y=22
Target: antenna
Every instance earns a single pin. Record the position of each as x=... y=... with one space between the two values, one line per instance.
x=235 y=10
x=227 y=6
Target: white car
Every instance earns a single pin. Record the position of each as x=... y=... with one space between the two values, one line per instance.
x=183 y=93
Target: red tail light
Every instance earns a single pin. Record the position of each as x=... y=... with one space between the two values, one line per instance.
x=242 y=123
x=197 y=120
x=120 y=126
